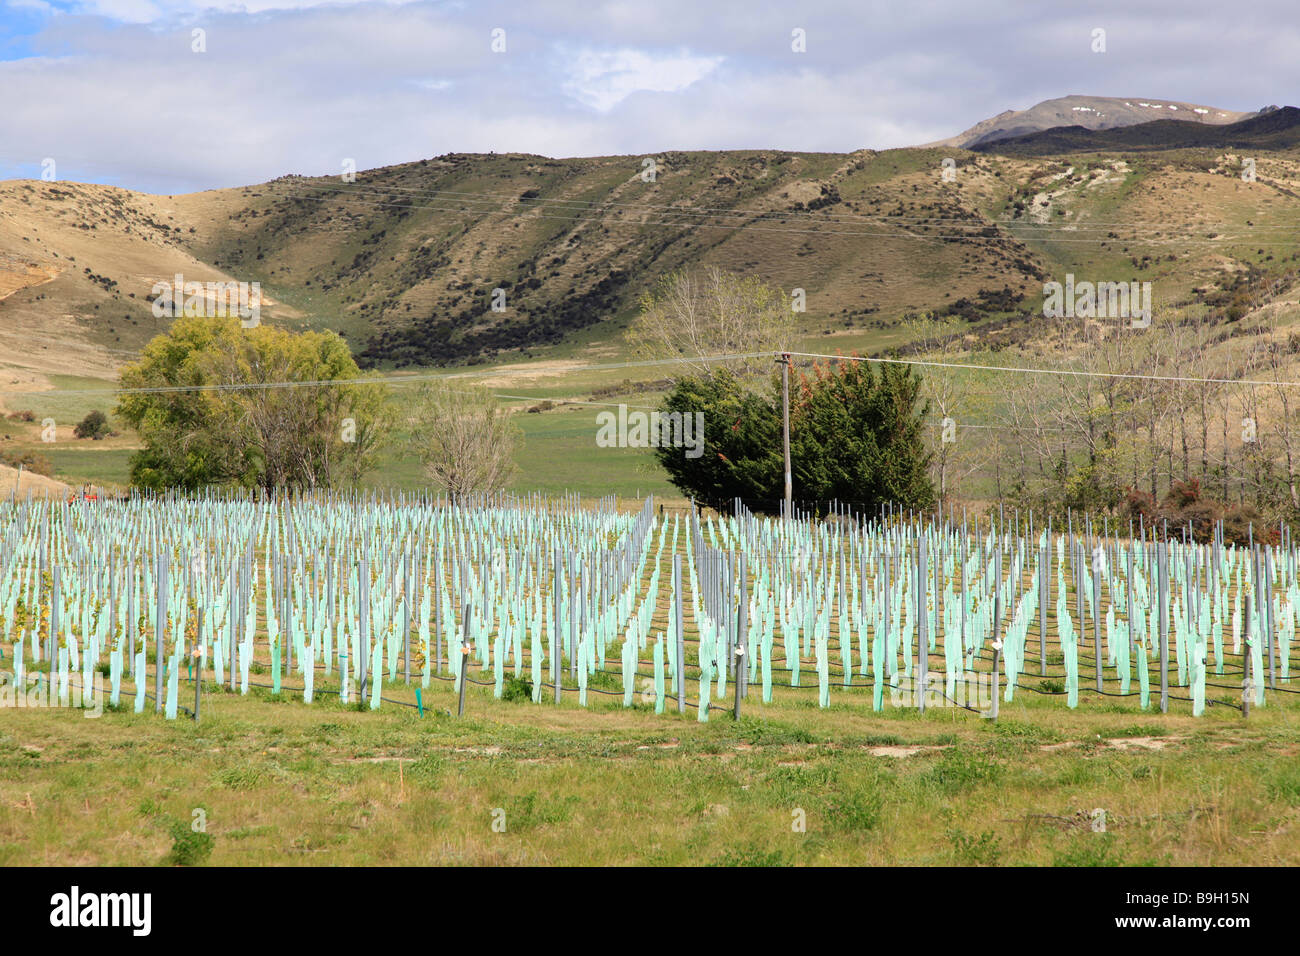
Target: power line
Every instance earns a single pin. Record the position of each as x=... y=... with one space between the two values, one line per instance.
x=1009 y=428
x=1079 y=373
x=652 y=363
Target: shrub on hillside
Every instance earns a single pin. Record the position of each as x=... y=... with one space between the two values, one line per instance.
x=94 y=425
x=28 y=461
x=1185 y=504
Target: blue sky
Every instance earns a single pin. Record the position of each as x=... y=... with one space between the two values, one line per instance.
x=114 y=91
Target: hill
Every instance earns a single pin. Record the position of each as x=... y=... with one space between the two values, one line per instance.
x=404 y=262
x=12 y=482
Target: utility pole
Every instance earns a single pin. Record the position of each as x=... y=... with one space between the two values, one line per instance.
x=784 y=362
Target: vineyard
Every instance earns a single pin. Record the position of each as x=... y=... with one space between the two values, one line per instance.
x=148 y=601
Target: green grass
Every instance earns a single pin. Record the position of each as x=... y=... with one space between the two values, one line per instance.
x=106 y=466
x=521 y=783
x=558 y=454
x=70 y=401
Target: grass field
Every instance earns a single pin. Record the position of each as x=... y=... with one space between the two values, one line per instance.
x=283 y=782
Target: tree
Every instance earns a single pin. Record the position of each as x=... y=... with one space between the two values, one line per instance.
x=742 y=455
x=698 y=314
x=953 y=399
x=94 y=425
x=464 y=439
x=856 y=435
x=214 y=409
x=185 y=447
x=313 y=435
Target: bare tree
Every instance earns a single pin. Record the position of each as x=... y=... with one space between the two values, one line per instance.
x=464 y=439
x=1278 y=357
x=951 y=395
x=695 y=315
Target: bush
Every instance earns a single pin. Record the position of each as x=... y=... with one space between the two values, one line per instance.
x=29 y=461
x=94 y=425
x=189 y=848
x=517 y=689
x=1186 y=504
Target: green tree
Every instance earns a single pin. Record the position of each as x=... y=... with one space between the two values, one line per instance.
x=214 y=413
x=94 y=425
x=741 y=455
x=185 y=446
x=856 y=435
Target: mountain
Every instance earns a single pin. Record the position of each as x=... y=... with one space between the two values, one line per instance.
x=1271 y=130
x=1088 y=112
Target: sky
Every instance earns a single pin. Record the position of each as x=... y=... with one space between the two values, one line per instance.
x=172 y=96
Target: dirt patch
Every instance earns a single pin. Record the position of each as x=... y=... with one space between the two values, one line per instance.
x=1040 y=207
x=1139 y=743
x=1116 y=743
x=17 y=274
x=523 y=372
x=897 y=750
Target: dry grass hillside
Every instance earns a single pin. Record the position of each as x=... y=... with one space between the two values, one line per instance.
x=12 y=482
x=404 y=261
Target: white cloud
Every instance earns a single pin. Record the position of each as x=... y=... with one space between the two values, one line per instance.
x=297 y=90
x=433 y=84
x=602 y=80
x=152 y=11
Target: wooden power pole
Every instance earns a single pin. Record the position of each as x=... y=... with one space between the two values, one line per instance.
x=784 y=362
